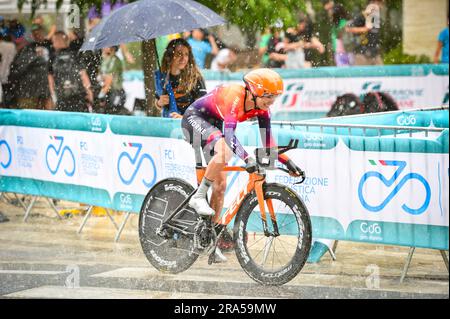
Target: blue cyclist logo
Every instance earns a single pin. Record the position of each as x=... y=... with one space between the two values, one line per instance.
x=60 y=152
x=389 y=182
x=136 y=162
x=5 y=161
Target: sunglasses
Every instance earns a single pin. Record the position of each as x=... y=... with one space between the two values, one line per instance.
x=269 y=96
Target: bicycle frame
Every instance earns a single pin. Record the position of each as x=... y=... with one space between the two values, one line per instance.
x=255 y=182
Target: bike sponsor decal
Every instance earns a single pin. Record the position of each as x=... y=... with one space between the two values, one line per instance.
x=61 y=151
x=407 y=178
x=136 y=162
x=5 y=160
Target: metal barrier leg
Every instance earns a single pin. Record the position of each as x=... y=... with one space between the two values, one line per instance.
x=111 y=218
x=332 y=250
x=29 y=208
x=49 y=200
x=88 y=214
x=122 y=226
x=408 y=262
x=22 y=203
x=444 y=256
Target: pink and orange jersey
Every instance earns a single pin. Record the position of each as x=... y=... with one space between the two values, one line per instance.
x=226 y=103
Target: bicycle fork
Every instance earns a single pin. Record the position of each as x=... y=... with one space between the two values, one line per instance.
x=260 y=195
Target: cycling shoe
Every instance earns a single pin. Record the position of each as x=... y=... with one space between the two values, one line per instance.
x=201 y=206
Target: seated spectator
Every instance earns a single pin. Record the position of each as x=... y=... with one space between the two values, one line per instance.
x=68 y=81
x=224 y=59
x=179 y=83
x=201 y=48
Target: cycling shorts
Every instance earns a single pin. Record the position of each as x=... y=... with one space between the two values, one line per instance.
x=202 y=132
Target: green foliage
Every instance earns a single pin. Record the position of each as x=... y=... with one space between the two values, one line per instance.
x=254 y=15
x=397 y=56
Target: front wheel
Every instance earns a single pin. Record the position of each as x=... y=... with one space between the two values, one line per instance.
x=273 y=260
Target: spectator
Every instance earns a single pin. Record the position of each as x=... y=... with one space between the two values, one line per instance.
x=339 y=18
x=201 y=48
x=328 y=5
x=7 y=53
x=112 y=95
x=4 y=32
x=224 y=59
x=44 y=45
x=68 y=81
x=275 y=49
x=442 y=47
x=28 y=75
x=179 y=83
x=76 y=39
x=263 y=46
x=367 y=27
x=39 y=20
x=16 y=30
x=302 y=38
x=92 y=60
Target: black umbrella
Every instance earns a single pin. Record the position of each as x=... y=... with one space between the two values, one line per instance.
x=148 y=19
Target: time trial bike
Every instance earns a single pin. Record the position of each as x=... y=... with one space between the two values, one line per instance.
x=272 y=228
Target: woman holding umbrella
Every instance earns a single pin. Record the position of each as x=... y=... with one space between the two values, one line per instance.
x=179 y=82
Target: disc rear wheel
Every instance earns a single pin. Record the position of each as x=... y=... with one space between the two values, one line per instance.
x=175 y=251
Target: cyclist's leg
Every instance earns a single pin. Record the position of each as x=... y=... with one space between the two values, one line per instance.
x=201 y=132
x=215 y=173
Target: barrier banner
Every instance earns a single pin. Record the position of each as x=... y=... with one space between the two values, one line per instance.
x=384 y=189
x=315 y=90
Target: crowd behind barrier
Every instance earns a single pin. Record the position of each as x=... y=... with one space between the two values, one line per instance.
x=112 y=161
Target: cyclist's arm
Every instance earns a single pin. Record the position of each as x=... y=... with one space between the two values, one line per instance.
x=230 y=138
x=266 y=135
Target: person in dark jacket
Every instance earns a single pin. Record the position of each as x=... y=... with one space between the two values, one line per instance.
x=28 y=74
x=68 y=80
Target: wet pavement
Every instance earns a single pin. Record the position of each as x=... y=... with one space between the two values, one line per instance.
x=46 y=258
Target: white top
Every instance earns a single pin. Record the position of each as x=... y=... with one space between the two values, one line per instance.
x=7 y=52
x=223 y=58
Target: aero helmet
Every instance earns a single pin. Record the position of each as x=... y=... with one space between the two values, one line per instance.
x=263 y=81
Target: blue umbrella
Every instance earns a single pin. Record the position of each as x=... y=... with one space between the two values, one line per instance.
x=147 y=19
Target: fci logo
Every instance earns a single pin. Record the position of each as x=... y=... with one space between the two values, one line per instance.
x=60 y=151
x=5 y=161
x=136 y=162
x=389 y=182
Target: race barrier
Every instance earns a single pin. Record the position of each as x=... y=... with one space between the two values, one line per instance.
x=309 y=93
x=385 y=184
